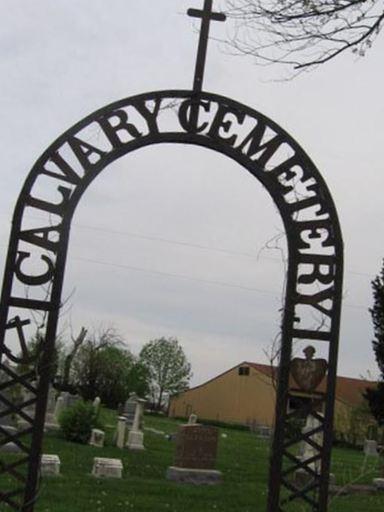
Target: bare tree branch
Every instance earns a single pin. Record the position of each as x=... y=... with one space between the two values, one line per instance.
x=303 y=33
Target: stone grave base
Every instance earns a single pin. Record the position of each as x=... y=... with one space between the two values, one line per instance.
x=107 y=468
x=50 y=465
x=194 y=476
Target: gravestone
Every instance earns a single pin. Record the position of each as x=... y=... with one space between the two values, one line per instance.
x=96 y=405
x=370 y=448
x=121 y=431
x=59 y=407
x=97 y=438
x=262 y=431
x=135 y=435
x=195 y=456
x=107 y=468
x=130 y=410
x=50 y=465
x=50 y=417
x=65 y=400
x=307 y=451
x=72 y=399
x=192 y=420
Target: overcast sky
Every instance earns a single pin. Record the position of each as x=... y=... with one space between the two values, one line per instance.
x=172 y=241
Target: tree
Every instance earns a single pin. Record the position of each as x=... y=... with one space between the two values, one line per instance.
x=35 y=347
x=375 y=396
x=168 y=367
x=69 y=357
x=104 y=367
x=304 y=33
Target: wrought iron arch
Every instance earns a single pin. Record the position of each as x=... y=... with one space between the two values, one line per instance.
x=314 y=278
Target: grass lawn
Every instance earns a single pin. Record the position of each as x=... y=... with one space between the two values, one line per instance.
x=243 y=460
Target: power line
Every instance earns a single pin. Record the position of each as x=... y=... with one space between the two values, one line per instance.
x=178 y=276
x=187 y=244
x=196 y=279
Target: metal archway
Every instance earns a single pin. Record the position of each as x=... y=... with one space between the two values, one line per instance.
x=37 y=254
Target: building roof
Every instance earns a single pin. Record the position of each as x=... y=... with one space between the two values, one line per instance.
x=348 y=390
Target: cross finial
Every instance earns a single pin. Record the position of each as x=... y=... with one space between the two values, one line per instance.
x=206 y=16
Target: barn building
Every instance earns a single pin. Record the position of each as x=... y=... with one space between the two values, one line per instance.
x=245 y=395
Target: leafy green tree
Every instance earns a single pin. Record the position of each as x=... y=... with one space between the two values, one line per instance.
x=104 y=367
x=304 y=33
x=168 y=368
x=375 y=396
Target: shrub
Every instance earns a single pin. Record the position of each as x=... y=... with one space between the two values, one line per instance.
x=77 y=422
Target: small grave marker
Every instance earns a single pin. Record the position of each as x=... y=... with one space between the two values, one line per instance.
x=97 y=438
x=50 y=465
x=370 y=448
x=107 y=468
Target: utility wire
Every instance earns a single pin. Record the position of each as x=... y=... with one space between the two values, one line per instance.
x=179 y=276
x=190 y=278
x=186 y=244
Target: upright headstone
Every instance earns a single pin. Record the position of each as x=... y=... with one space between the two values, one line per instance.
x=97 y=438
x=50 y=417
x=97 y=404
x=370 y=448
x=192 y=420
x=64 y=400
x=59 y=407
x=135 y=435
x=130 y=410
x=307 y=450
x=72 y=399
x=195 y=457
x=121 y=432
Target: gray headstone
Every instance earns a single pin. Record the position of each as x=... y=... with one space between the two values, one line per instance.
x=96 y=404
x=51 y=404
x=370 y=448
x=72 y=399
x=50 y=415
x=192 y=420
x=130 y=409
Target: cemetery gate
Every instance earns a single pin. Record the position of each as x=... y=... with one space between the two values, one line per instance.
x=38 y=245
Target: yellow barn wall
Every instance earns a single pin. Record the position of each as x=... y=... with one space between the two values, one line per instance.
x=242 y=399
x=231 y=398
x=342 y=416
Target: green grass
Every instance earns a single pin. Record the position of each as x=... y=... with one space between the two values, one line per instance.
x=243 y=460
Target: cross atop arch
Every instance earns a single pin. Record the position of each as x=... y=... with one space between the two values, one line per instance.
x=206 y=15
